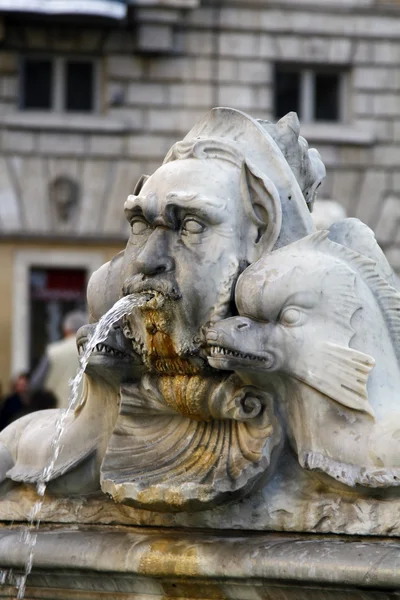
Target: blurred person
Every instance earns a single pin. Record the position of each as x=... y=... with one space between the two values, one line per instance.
x=42 y=400
x=17 y=403
x=61 y=361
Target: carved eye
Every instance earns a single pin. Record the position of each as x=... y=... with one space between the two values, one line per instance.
x=138 y=226
x=191 y=225
x=291 y=316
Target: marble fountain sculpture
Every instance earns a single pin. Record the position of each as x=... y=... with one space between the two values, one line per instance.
x=238 y=435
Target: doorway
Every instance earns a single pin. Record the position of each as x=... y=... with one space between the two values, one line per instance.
x=53 y=293
x=47 y=284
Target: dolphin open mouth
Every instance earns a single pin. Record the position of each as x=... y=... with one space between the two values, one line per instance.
x=101 y=348
x=218 y=351
x=221 y=353
x=113 y=347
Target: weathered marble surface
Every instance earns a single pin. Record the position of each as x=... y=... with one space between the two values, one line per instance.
x=83 y=563
x=293 y=500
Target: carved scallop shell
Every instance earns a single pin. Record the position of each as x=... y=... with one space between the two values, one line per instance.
x=159 y=458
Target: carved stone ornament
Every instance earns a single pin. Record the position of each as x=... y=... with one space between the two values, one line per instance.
x=64 y=195
x=189 y=437
x=262 y=366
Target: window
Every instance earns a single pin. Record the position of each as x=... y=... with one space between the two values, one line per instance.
x=59 y=84
x=317 y=95
x=37 y=82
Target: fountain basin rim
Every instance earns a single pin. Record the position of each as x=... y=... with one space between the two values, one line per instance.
x=310 y=559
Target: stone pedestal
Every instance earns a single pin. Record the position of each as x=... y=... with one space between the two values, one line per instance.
x=141 y=563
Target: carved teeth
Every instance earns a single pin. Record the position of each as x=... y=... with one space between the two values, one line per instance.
x=104 y=349
x=218 y=350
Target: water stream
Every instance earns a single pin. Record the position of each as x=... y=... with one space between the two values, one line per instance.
x=121 y=308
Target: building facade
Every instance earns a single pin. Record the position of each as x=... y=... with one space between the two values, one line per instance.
x=91 y=100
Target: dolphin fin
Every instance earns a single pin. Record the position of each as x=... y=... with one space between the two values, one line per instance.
x=341 y=374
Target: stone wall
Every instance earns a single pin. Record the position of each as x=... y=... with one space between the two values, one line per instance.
x=219 y=56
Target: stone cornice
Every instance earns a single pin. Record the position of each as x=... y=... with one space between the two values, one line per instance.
x=296 y=6
x=164 y=3
x=43 y=121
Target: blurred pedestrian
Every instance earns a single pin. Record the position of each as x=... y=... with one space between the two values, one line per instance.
x=17 y=403
x=42 y=400
x=61 y=361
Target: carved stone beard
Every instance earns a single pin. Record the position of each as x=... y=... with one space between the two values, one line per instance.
x=161 y=333
x=163 y=350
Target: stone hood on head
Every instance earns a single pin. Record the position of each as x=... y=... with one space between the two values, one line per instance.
x=262 y=153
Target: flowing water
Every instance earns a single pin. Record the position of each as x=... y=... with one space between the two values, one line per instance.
x=121 y=308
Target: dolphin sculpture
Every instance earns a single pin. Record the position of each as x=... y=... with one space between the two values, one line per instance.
x=320 y=321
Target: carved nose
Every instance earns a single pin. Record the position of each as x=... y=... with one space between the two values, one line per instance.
x=154 y=259
x=156 y=265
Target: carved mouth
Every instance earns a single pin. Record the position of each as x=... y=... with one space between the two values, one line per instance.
x=138 y=347
x=156 y=301
x=161 y=290
x=219 y=352
x=101 y=349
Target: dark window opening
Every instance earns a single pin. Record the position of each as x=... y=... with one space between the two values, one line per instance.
x=79 y=86
x=314 y=94
x=287 y=92
x=52 y=294
x=327 y=97
x=37 y=84
x=58 y=83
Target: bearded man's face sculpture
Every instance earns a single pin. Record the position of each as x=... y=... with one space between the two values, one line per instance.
x=188 y=243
